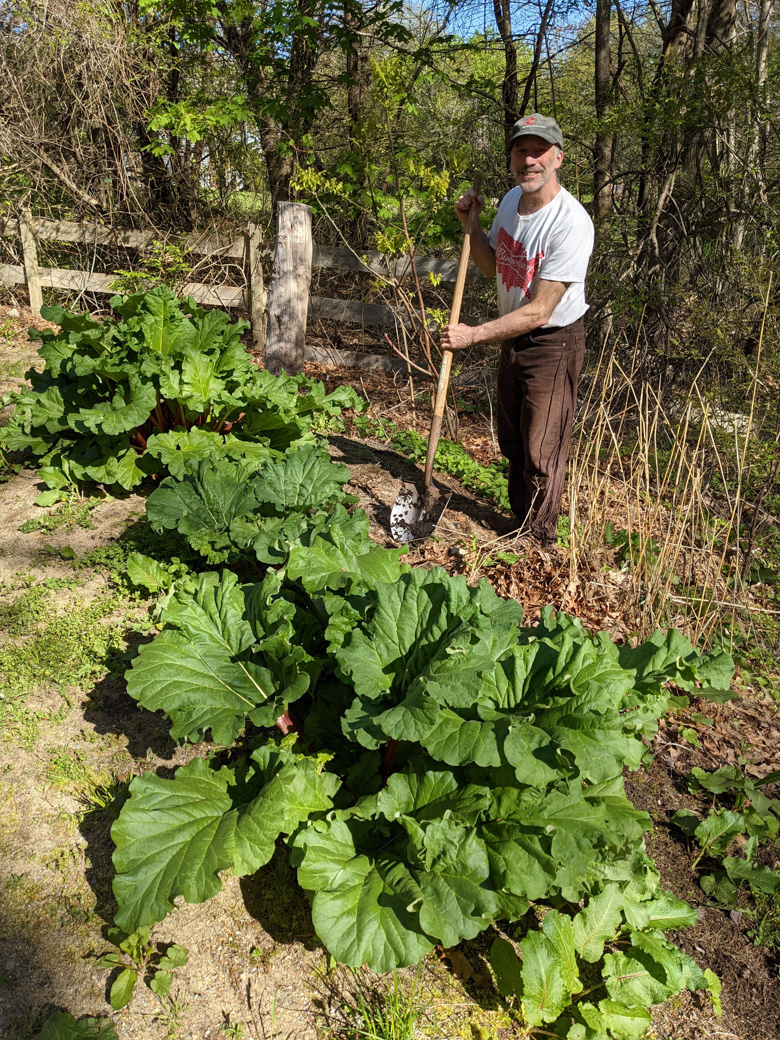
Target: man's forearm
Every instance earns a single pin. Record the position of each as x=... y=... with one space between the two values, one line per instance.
x=482 y=253
x=508 y=326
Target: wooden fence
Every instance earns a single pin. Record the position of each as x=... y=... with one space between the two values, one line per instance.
x=248 y=249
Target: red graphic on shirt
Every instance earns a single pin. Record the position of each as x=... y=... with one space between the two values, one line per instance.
x=515 y=268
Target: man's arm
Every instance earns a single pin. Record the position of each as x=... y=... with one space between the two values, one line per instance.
x=532 y=315
x=482 y=252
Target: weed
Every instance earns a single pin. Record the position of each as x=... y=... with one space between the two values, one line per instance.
x=74 y=512
x=70 y=770
x=51 y=649
x=383 y=1013
x=233 y=1030
x=137 y=955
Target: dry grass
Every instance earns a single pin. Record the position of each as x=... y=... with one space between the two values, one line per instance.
x=646 y=470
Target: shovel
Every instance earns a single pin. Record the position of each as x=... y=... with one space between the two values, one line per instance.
x=417 y=511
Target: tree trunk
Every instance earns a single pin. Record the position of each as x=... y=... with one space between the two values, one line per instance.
x=602 y=151
x=509 y=83
x=288 y=294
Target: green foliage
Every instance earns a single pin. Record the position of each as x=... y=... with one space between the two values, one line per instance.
x=61 y=1025
x=116 y=399
x=164 y=264
x=641 y=968
x=220 y=505
x=138 y=956
x=453 y=766
x=452 y=457
x=631 y=547
x=754 y=820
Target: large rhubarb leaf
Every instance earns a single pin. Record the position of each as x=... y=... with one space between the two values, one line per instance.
x=303 y=480
x=173 y=837
x=419 y=872
x=203 y=505
x=549 y=971
x=364 y=894
x=335 y=559
x=201 y=669
x=177 y=450
x=425 y=628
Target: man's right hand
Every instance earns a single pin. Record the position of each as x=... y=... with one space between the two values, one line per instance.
x=464 y=204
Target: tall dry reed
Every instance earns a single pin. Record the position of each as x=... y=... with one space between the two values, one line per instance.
x=644 y=463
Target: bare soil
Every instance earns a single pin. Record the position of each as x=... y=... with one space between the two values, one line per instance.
x=253 y=957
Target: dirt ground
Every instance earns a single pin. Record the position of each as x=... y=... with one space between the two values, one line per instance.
x=255 y=966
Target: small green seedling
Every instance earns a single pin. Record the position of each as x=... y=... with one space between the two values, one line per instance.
x=138 y=956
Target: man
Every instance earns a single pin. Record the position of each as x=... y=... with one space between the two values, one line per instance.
x=538 y=248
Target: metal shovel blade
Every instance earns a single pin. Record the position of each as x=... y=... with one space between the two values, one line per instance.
x=414 y=515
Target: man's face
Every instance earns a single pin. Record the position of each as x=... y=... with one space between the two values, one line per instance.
x=533 y=162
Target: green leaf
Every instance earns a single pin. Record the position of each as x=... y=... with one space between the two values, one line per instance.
x=336 y=559
x=687 y=821
x=199 y=670
x=48 y=498
x=161 y=983
x=763 y=879
x=545 y=990
x=203 y=505
x=613 y=1019
x=598 y=922
x=130 y=406
x=148 y=573
x=363 y=896
x=294 y=789
x=175 y=956
x=457 y=900
x=62 y=1026
x=664 y=912
x=682 y=971
x=635 y=980
x=506 y=965
x=715 y=833
x=714 y=986
x=172 y=838
x=122 y=989
x=303 y=480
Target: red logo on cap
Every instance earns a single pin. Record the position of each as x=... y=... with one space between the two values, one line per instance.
x=531 y=119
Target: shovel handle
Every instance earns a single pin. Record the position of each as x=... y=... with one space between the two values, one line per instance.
x=446 y=360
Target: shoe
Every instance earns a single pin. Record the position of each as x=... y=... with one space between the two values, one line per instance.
x=504 y=524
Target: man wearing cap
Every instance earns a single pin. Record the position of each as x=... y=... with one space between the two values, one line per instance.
x=538 y=248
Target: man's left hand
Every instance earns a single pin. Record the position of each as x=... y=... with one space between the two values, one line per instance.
x=456 y=337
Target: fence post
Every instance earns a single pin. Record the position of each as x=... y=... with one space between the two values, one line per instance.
x=257 y=292
x=288 y=294
x=30 y=252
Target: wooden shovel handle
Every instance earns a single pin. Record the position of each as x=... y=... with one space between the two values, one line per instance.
x=446 y=360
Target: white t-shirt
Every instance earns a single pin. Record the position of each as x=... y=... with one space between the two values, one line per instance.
x=554 y=244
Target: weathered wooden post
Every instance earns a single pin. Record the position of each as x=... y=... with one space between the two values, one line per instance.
x=257 y=290
x=288 y=293
x=30 y=254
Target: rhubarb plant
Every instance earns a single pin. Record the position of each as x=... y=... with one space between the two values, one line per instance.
x=117 y=400
x=223 y=506
x=448 y=766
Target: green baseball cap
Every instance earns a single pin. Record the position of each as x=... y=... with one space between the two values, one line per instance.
x=540 y=126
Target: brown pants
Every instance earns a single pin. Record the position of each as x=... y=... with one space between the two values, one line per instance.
x=537 y=394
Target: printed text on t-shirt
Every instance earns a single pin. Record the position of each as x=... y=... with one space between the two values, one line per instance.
x=515 y=268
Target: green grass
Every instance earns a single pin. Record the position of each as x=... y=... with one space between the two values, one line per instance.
x=52 y=647
x=72 y=513
x=382 y=1012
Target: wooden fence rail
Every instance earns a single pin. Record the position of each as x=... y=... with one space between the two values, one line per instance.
x=248 y=250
